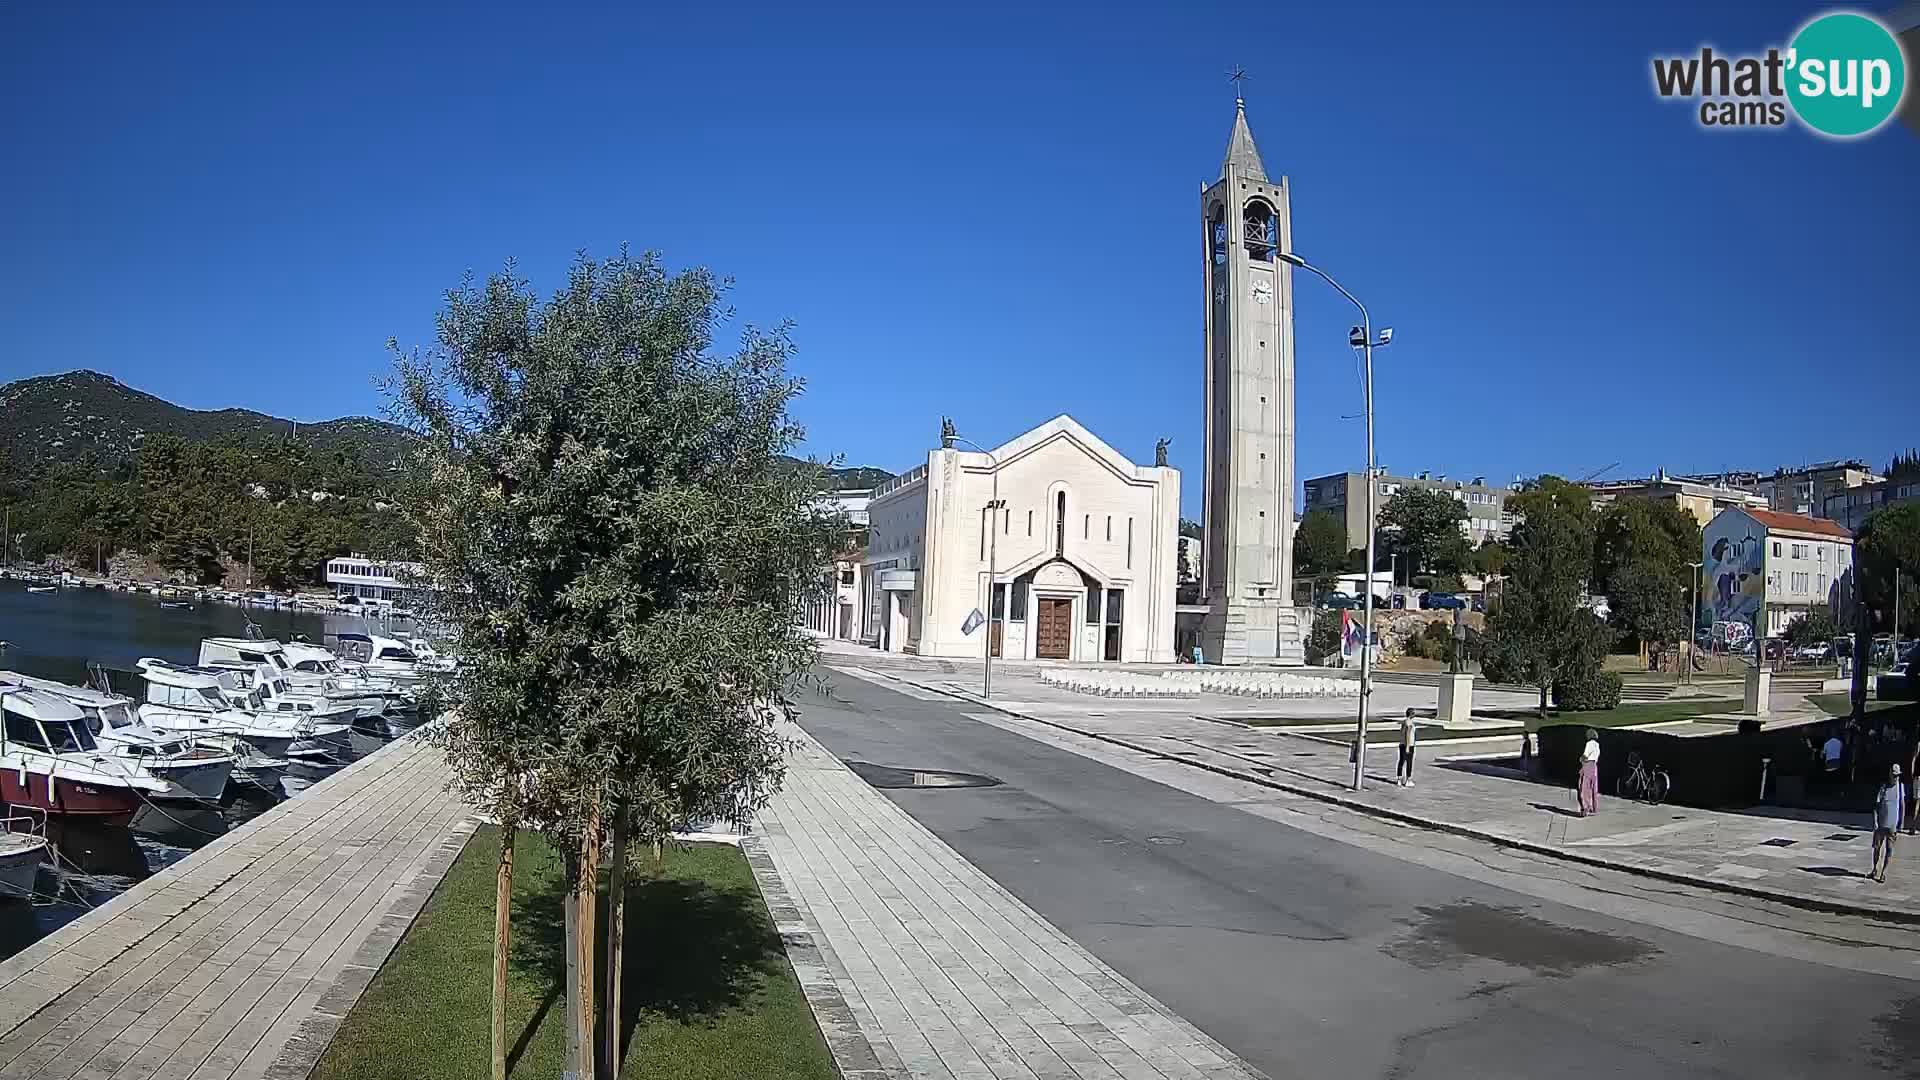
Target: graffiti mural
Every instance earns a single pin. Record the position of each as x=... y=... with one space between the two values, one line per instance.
x=1735 y=568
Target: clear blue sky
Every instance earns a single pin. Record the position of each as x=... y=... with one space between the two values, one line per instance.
x=984 y=211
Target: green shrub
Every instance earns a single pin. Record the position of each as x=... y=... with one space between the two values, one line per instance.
x=1598 y=690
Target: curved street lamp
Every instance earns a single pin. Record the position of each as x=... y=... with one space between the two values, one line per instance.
x=994 y=506
x=1362 y=338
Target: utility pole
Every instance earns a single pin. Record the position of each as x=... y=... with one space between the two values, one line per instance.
x=1693 y=618
x=994 y=506
x=1360 y=337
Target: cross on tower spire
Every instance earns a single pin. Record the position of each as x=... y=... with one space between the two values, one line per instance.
x=1237 y=76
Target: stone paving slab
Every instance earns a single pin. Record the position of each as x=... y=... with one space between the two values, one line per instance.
x=943 y=974
x=240 y=961
x=1812 y=859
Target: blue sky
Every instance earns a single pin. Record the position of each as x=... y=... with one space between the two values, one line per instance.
x=985 y=211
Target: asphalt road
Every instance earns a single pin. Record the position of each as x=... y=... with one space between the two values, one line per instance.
x=1310 y=957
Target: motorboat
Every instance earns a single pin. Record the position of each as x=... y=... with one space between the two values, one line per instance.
x=23 y=847
x=50 y=761
x=331 y=723
x=310 y=661
x=42 y=588
x=365 y=699
x=189 y=769
x=186 y=700
x=407 y=661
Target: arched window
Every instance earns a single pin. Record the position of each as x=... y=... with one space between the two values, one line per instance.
x=1262 y=230
x=1060 y=524
x=1217 y=235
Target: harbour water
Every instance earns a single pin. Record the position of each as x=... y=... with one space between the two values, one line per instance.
x=56 y=635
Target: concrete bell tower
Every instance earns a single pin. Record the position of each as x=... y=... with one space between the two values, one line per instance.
x=1248 y=572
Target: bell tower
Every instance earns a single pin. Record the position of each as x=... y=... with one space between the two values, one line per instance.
x=1248 y=571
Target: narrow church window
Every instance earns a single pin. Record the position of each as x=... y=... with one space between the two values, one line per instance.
x=1029 y=523
x=1086 y=527
x=1129 y=543
x=1006 y=522
x=1060 y=524
x=1109 y=528
x=1217 y=235
x=983 y=531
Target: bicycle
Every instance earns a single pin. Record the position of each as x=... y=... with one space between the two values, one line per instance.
x=1643 y=782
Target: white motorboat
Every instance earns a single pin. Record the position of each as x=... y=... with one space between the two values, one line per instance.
x=407 y=661
x=204 y=701
x=332 y=724
x=49 y=761
x=23 y=847
x=367 y=700
x=190 y=770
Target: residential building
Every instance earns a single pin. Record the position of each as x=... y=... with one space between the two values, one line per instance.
x=834 y=613
x=372 y=579
x=1345 y=496
x=1850 y=507
x=1701 y=496
x=851 y=502
x=1805 y=490
x=1764 y=567
x=1083 y=545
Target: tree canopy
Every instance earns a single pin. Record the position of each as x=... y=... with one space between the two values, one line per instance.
x=1320 y=545
x=1889 y=543
x=1424 y=526
x=1541 y=632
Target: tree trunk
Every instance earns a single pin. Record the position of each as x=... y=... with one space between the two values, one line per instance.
x=1543 y=701
x=502 y=939
x=616 y=937
x=586 y=900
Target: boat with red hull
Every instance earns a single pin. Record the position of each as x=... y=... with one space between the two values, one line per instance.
x=50 y=762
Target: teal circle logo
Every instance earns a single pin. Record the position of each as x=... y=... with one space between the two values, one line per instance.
x=1846 y=74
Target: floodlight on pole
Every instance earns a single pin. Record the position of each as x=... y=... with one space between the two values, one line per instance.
x=1362 y=338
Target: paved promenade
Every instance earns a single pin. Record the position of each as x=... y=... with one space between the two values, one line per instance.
x=1810 y=858
x=946 y=974
x=240 y=961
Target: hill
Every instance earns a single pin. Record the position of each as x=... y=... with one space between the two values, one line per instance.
x=52 y=419
x=55 y=419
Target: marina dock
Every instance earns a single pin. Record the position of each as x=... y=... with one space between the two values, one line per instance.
x=241 y=960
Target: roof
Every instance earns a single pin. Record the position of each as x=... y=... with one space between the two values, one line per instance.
x=1242 y=155
x=1776 y=521
x=41 y=705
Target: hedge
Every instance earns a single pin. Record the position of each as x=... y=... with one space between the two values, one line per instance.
x=1598 y=690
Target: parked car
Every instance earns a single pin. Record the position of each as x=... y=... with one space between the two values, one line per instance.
x=1340 y=602
x=1437 y=601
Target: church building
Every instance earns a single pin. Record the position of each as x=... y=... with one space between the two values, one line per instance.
x=1066 y=549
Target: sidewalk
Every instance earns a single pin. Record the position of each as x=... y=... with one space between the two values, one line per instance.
x=945 y=975
x=1808 y=859
x=240 y=961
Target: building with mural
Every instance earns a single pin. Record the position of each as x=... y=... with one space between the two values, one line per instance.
x=1763 y=568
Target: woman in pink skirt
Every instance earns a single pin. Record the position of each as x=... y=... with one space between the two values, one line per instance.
x=1590 y=775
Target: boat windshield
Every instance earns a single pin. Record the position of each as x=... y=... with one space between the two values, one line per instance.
x=212 y=697
x=66 y=735
x=404 y=655
x=279 y=661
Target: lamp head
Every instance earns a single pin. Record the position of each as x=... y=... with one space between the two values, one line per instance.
x=1290 y=258
x=1356 y=337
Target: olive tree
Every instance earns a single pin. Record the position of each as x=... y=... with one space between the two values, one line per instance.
x=621 y=548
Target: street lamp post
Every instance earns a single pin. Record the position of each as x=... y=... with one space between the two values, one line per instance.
x=1693 y=617
x=993 y=569
x=1361 y=338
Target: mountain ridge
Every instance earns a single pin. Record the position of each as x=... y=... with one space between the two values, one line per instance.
x=59 y=419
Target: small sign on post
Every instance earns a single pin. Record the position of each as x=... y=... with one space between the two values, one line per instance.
x=974 y=619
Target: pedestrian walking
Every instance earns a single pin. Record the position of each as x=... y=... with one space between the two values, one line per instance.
x=1590 y=775
x=1888 y=807
x=1409 y=735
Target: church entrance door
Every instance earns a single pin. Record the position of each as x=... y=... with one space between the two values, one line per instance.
x=1053 y=629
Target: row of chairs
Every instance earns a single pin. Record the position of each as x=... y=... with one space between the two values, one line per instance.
x=1267 y=684
x=1125 y=684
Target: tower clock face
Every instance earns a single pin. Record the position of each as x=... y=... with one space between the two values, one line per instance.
x=1263 y=292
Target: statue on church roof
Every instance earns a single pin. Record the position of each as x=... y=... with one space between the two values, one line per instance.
x=947 y=433
x=1160 y=452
